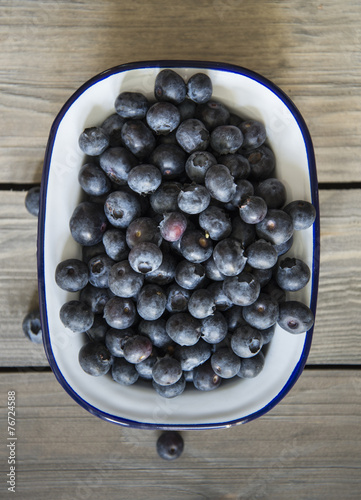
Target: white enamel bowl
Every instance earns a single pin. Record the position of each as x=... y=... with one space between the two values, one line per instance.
x=248 y=94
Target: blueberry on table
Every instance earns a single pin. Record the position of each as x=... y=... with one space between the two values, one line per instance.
x=77 y=316
x=292 y=274
x=131 y=105
x=99 y=269
x=112 y=126
x=169 y=86
x=93 y=141
x=72 y=275
x=88 y=223
x=167 y=371
x=214 y=328
x=246 y=341
x=170 y=445
x=204 y=377
x=220 y=183
x=262 y=162
x=193 y=198
x=95 y=298
x=173 y=226
x=117 y=162
x=226 y=139
x=115 y=340
x=302 y=213
x=183 y=328
x=295 y=317
x=165 y=198
x=163 y=117
x=252 y=209
x=276 y=227
x=144 y=179
x=121 y=208
x=229 y=257
x=195 y=246
x=95 y=359
x=243 y=289
x=170 y=159
x=193 y=355
x=138 y=138
x=197 y=165
x=254 y=133
x=263 y=313
x=192 y=135
x=189 y=275
x=216 y=222
x=137 y=348
x=93 y=180
x=123 y=372
x=225 y=363
x=115 y=245
x=170 y=391
x=119 y=312
x=251 y=367
x=261 y=254
x=145 y=257
x=151 y=302
x=201 y=304
x=32 y=201
x=32 y=327
x=213 y=114
x=199 y=88
x=273 y=192
x=123 y=281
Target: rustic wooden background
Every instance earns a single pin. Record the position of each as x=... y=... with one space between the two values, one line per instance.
x=309 y=446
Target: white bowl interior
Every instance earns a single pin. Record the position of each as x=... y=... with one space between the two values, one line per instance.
x=233 y=400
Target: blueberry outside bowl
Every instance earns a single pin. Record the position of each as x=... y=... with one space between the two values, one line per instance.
x=240 y=401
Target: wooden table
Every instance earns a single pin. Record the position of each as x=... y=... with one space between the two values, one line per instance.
x=309 y=446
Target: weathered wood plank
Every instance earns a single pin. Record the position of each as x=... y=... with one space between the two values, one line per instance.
x=337 y=323
x=310 y=49
x=306 y=447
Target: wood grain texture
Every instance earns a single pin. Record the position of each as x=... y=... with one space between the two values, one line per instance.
x=308 y=446
x=310 y=49
x=336 y=334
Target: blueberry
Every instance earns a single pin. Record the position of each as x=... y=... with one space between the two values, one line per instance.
x=115 y=339
x=169 y=86
x=137 y=348
x=144 y=179
x=243 y=232
x=187 y=109
x=220 y=183
x=201 y=304
x=131 y=105
x=93 y=180
x=237 y=164
x=189 y=275
x=263 y=313
x=225 y=363
x=32 y=327
x=282 y=248
x=246 y=341
x=95 y=298
x=112 y=126
x=295 y=317
x=167 y=371
x=268 y=334
x=88 y=252
x=192 y=135
x=226 y=139
x=261 y=255
x=165 y=273
x=251 y=367
x=243 y=289
x=95 y=359
x=123 y=372
x=302 y=212
x=173 y=225
x=274 y=291
x=292 y=274
x=276 y=227
x=262 y=275
x=145 y=367
x=214 y=328
x=235 y=119
x=151 y=302
x=71 y=275
x=212 y=271
x=213 y=114
x=88 y=223
x=188 y=375
x=117 y=162
x=183 y=329
x=244 y=189
x=124 y=281
x=143 y=229
x=170 y=159
x=229 y=257
x=204 y=378
x=77 y=316
x=262 y=162
x=197 y=165
x=273 y=192
x=32 y=201
x=177 y=298
x=194 y=355
x=115 y=245
x=165 y=198
x=99 y=269
x=199 y=88
x=98 y=329
x=93 y=141
x=215 y=222
x=145 y=257
x=234 y=318
x=193 y=198
x=163 y=117
x=252 y=209
x=170 y=391
x=119 y=313
x=220 y=298
x=254 y=133
x=138 y=138
x=121 y=208
x=195 y=246
x=156 y=331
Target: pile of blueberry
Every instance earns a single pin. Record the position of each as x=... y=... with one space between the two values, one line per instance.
x=183 y=231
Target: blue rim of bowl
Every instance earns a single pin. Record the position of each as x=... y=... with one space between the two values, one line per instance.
x=161 y=64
